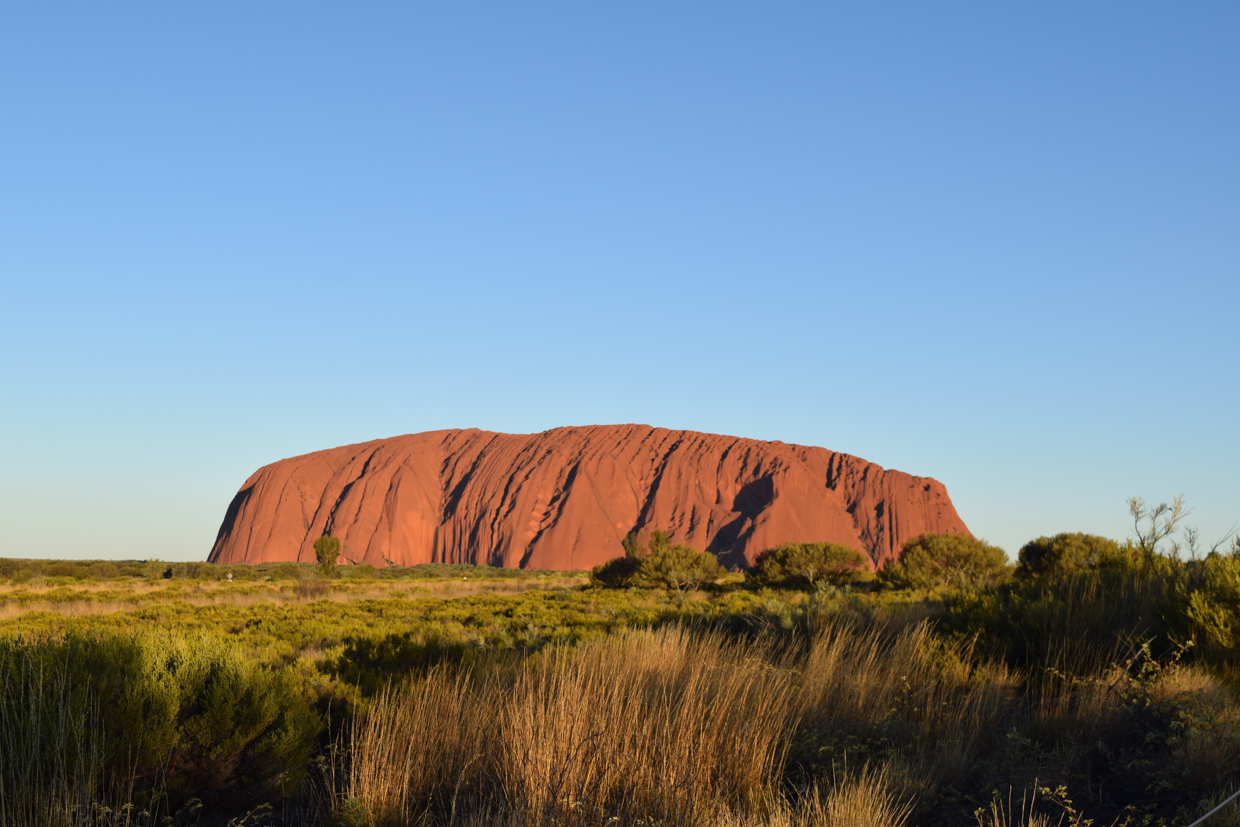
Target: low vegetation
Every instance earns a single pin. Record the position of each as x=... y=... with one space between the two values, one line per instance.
x=1094 y=682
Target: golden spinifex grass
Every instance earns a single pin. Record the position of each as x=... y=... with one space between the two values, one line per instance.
x=662 y=723
x=662 y=727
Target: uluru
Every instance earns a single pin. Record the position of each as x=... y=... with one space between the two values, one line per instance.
x=564 y=499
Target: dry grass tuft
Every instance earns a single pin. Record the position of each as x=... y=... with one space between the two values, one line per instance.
x=664 y=725
x=417 y=746
x=860 y=800
x=867 y=685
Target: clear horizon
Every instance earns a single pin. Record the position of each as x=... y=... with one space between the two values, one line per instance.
x=999 y=247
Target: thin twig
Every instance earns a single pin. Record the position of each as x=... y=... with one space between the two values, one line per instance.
x=1226 y=801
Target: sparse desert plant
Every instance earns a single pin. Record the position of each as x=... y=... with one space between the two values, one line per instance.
x=865 y=686
x=327 y=550
x=312 y=588
x=804 y=565
x=863 y=799
x=855 y=800
x=669 y=724
x=1006 y=813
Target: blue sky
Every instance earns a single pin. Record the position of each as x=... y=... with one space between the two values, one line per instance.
x=998 y=245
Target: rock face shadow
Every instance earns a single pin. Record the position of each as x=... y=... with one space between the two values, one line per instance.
x=749 y=502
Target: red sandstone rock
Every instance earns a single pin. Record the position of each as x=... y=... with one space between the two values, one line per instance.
x=564 y=499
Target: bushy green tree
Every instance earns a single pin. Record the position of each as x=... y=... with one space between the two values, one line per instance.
x=327 y=549
x=806 y=565
x=1064 y=553
x=955 y=561
x=658 y=563
x=677 y=566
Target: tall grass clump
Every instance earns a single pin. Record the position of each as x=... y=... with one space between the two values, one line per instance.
x=673 y=726
x=665 y=725
x=418 y=746
x=870 y=693
x=52 y=757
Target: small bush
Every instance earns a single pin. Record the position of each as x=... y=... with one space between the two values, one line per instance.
x=1063 y=553
x=954 y=561
x=619 y=573
x=805 y=565
x=104 y=571
x=660 y=564
x=678 y=566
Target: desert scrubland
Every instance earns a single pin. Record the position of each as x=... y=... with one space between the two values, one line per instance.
x=1093 y=683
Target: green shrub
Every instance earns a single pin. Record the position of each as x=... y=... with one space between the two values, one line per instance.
x=619 y=573
x=659 y=564
x=623 y=572
x=952 y=561
x=677 y=566
x=1064 y=553
x=804 y=565
x=189 y=716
